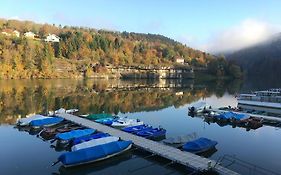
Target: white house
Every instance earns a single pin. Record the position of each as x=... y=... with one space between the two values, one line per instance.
x=180 y=60
x=9 y=32
x=29 y=35
x=52 y=38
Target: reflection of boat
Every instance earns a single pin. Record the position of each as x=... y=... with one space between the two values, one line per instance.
x=135 y=129
x=93 y=154
x=67 y=136
x=152 y=133
x=198 y=107
x=45 y=122
x=94 y=142
x=199 y=145
x=88 y=138
x=123 y=122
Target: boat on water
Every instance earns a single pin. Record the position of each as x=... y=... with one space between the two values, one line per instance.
x=50 y=121
x=94 y=142
x=267 y=100
x=106 y=121
x=198 y=107
x=125 y=122
x=199 y=145
x=68 y=136
x=63 y=111
x=178 y=141
x=152 y=133
x=28 y=119
x=97 y=116
x=88 y=138
x=135 y=129
x=94 y=154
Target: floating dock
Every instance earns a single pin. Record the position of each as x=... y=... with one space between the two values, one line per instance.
x=168 y=152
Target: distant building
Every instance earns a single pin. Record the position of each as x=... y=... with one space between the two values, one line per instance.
x=52 y=38
x=30 y=35
x=10 y=32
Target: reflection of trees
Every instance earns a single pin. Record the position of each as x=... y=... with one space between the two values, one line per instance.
x=19 y=98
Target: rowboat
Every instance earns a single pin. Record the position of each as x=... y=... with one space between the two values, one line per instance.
x=199 y=145
x=88 y=138
x=27 y=120
x=135 y=129
x=50 y=121
x=198 y=107
x=94 y=142
x=93 y=154
x=68 y=136
x=152 y=133
x=124 y=122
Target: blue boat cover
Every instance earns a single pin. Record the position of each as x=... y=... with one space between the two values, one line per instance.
x=46 y=121
x=93 y=153
x=138 y=128
x=154 y=132
x=230 y=115
x=106 y=121
x=74 y=134
x=200 y=145
x=88 y=138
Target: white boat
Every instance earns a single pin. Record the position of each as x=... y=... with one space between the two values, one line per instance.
x=28 y=119
x=199 y=107
x=63 y=111
x=122 y=122
x=94 y=142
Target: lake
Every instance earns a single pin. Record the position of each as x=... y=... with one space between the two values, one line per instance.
x=157 y=103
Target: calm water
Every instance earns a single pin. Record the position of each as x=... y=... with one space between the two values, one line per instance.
x=161 y=103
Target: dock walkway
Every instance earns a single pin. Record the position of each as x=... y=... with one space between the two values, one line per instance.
x=168 y=152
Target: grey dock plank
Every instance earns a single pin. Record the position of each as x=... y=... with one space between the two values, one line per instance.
x=168 y=152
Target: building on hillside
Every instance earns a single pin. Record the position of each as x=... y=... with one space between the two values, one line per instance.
x=10 y=32
x=30 y=35
x=179 y=60
x=52 y=38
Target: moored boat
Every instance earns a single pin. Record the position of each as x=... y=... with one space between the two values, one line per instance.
x=68 y=136
x=106 y=121
x=199 y=145
x=152 y=133
x=27 y=120
x=94 y=142
x=88 y=138
x=98 y=116
x=125 y=122
x=198 y=107
x=45 y=122
x=135 y=129
x=93 y=154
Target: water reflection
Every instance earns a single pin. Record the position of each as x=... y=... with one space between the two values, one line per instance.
x=22 y=97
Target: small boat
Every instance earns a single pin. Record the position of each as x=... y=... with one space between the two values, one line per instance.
x=27 y=120
x=69 y=128
x=199 y=107
x=199 y=145
x=63 y=111
x=93 y=154
x=178 y=141
x=135 y=129
x=94 y=142
x=106 y=121
x=45 y=122
x=88 y=138
x=98 y=116
x=68 y=136
x=124 y=122
x=152 y=133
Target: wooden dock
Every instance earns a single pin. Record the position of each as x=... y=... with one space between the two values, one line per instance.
x=168 y=152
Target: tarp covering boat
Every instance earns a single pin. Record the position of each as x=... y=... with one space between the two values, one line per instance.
x=134 y=129
x=155 y=132
x=105 y=121
x=46 y=121
x=74 y=134
x=180 y=139
x=99 y=116
x=94 y=142
x=199 y=145
x=26 y=121
x=93 y=154
x=232 y=115
x=88 y=138
x=123 y=122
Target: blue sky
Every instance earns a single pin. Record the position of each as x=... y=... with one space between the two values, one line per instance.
x=196 y=23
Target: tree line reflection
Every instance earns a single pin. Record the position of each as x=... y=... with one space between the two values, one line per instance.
x=22 y=97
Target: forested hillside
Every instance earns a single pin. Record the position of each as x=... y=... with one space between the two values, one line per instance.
x=263 y=59
x=80 y=48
